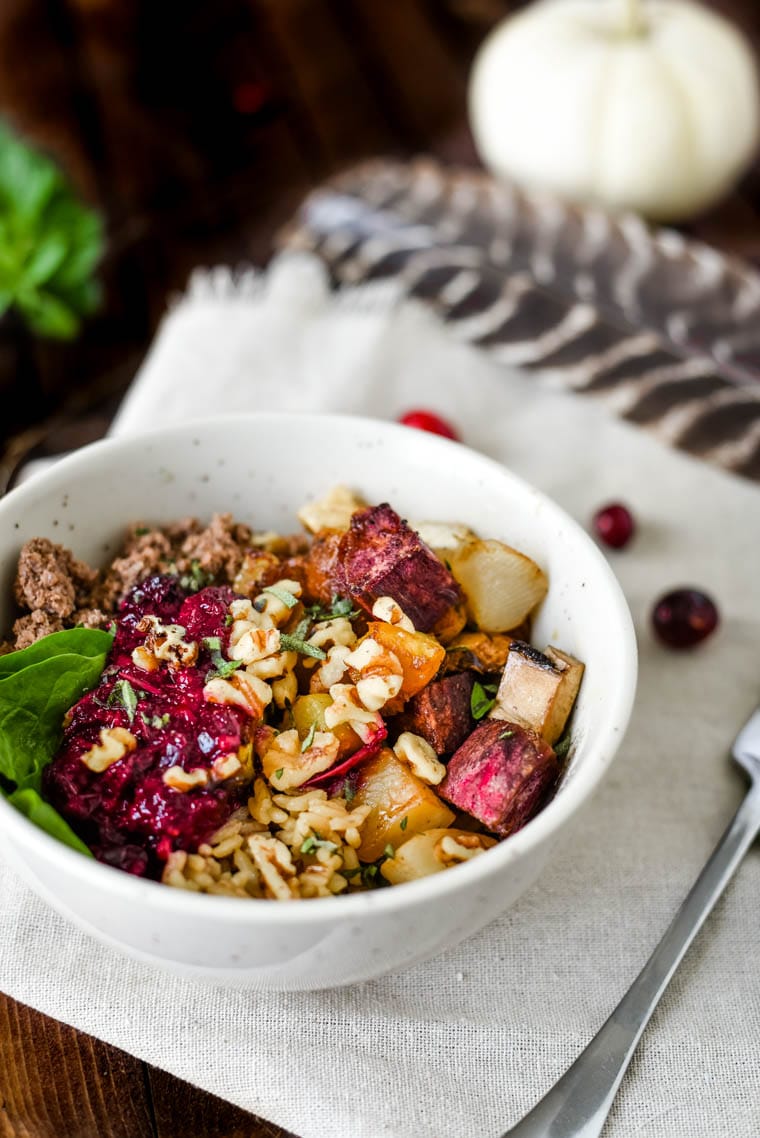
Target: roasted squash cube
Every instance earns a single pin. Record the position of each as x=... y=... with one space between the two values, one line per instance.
x=420 y=655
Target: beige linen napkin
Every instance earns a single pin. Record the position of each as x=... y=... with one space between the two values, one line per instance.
x=462 y=1045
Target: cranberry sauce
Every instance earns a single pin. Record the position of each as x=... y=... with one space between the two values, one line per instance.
x=126 y=813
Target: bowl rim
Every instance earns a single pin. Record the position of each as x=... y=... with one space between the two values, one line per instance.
x=544 y=826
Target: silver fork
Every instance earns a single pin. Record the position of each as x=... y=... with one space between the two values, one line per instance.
x=579 y=1102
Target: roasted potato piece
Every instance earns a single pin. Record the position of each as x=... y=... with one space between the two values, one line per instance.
x=424 y=854
x=501 y=585
x=402 y=805
x=333 y=511
x=538 y=689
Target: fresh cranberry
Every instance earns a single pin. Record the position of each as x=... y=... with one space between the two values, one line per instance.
x=428 y=421
x=684 y=617
x=614 y=525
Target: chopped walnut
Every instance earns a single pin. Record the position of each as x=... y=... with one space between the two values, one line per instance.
x=421 y=757
x=115 y=743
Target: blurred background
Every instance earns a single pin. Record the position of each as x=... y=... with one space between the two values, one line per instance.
x=194 y=129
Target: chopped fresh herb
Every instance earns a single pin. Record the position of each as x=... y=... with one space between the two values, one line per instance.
x=278 y=774
x=300 y=630
x=314 y=842
x=141 y=531
x=369 y=872
x=222 y=666
x=562 y=746
x=281 y=595
x=348 y=792
x=196 y=579
x=309 y=738
x=480 y=702
x=389 y=851
x=349 y=873
x=447 y=563
x=122 y=694
x=404 y=822
x=228 y=620
x=507 y=734
x=339 y=606
x=293 y=644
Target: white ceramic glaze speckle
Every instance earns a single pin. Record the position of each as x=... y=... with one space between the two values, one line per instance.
x=262 y=468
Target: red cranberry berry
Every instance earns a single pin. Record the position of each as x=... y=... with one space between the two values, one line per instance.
x=614 y=525
x=427 y=421
x=684 y=617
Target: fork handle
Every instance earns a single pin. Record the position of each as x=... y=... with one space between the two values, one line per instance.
x=579 y=1102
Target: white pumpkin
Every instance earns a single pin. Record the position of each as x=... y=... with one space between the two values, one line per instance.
x=652 y=107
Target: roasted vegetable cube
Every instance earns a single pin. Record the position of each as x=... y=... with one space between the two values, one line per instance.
x=308 y=714
x=502 y=775
x=402 y=805
x=538 y=689
x=440 y=713
x=501 y=585
x=381 y=556
x=420 y=655
x=427 y=853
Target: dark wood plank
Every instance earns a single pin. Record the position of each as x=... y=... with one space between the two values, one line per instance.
x=180 y=1111
x=58 y=1083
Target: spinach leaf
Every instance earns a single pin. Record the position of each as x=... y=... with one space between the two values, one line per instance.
x=38 y=685
x=81 y=641
x=47 y=818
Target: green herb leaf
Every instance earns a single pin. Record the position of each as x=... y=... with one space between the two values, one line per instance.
x=404 y=822
x=562 y=746
x=480 y=702
x=222 y=666
x=309 y=738
x=349 y=793
x=38 y=685
x=292 y=644
x=30 y=804
x=339 y=606
x=49 y=242
x=196 y=579
x=282 y=595
x=506 y=734
x=389 y=851
x=122 y=694
x=314 y=842
x=278 y=773
x=349 y=873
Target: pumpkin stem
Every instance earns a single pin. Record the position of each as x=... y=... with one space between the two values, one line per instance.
x=634 y=22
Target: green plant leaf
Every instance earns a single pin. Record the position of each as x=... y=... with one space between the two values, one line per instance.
x=35 y=694
x=50 y=242
x=45 y=816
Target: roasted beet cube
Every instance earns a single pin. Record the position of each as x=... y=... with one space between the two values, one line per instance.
x=502 y=775
x=441 y=713
x=383 y=557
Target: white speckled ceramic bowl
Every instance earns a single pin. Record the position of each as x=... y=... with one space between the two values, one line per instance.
x=262 y=468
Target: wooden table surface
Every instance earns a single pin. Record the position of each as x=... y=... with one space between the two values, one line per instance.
x=303 y=88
